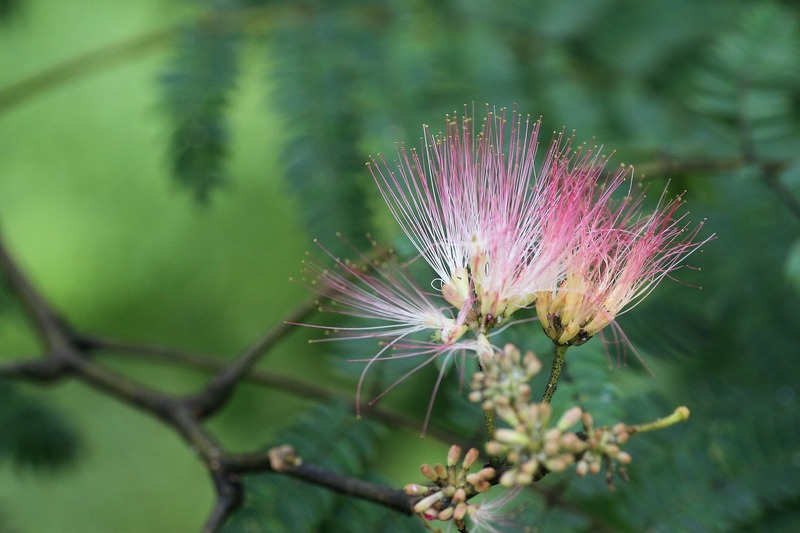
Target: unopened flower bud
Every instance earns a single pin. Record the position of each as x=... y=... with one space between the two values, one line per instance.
x=494 y=448
x=446 y=513
x=532 y=363
x=453 y=455
x=283 y=458
x=550 y=448
x=588 y=421
x=510 y=436
x=558 y=464
x=427 y=471
x=524 y=478
x=470 y=458
x=507 y=479
x=461 y=511
x=426 y=502
x=415 y=490
x=569 y=418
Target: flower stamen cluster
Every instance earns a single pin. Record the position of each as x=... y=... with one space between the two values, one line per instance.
x=617 y=259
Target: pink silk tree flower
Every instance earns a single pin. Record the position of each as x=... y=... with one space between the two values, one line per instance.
x=496 y=228
x=483 y=216
x=478 y=213
x=500 y=233
x=620 y=255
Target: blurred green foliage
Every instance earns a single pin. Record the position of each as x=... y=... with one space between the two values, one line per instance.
x=266 y=111
x=33 y=435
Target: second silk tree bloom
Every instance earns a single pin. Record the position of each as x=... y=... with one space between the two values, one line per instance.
x=502 y=233
x=620 y=254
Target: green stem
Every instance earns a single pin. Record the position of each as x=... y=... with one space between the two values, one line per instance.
x=490 y=427
x=555 y=372
x=679 y=415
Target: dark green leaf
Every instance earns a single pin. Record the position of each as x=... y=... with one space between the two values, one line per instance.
x=34 y=436
x=197 y=87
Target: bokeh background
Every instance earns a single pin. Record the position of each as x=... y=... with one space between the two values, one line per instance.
x=165 y=165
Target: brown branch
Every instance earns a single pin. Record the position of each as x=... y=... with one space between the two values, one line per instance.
x=66 y=354
x=42 y=316
x=381 y=494
x=219 y=389
x=272 y=380
x=387 y=496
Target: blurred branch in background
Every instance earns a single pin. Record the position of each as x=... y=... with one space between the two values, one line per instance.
x=769 y=172
x=66 y=356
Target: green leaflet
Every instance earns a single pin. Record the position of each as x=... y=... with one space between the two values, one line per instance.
x=317 y=91
x=33 y=436
x=197 y=86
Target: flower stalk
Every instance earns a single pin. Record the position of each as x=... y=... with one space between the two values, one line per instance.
x=679 y=415
x=555 y=372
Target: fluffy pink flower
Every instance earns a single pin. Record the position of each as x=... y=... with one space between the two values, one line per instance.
x=621 y=254
x=502 y=233
x=486 y=221
x=476 y=211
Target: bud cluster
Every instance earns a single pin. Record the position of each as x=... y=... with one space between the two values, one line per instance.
x=531 y=444
x=505 y=378
x=602 y=446
x=452 y=487
x=534 y=444
x=533 y=447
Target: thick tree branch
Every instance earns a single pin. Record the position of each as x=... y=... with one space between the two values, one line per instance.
x=66 y=354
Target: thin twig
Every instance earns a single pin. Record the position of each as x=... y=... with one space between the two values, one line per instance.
x=42 y=316
x=272 y=380
x=219 y=389
x=769 y=169
x=93 y=61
